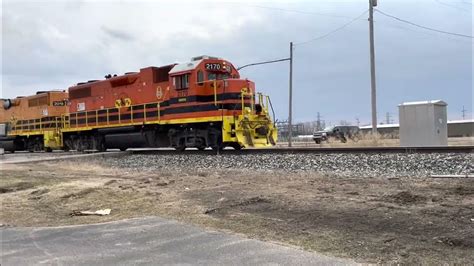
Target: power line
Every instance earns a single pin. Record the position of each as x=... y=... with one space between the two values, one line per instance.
x=355 y=19
x=264 y=62
x=452 y=6
x=333 y=31
x=423 y=27
x=300 y=11
x=420 y=32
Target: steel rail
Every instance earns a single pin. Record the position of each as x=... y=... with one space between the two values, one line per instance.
x=443 y=149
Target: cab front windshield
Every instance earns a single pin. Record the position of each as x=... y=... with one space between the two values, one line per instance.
x=217 y=76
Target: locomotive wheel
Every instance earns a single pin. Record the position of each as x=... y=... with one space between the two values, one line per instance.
x=218 y=147
x=101 y=148
x=40 y=146
x=236 y=146
x=123 y=149
x=30 y=146
x=48 y=149
x=75 y=145
x=216 y=141
x=99 y=144
x=68 y=144
x=81 y=145
x=180 y=148
x=201 y=148
x=35 y=144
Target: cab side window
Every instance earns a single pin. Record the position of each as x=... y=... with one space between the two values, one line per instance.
x=181 y=81
x=200 y=77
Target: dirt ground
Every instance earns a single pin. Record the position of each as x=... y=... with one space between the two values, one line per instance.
x=367 y=219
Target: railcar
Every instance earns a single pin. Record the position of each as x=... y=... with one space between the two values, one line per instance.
x=199 y=104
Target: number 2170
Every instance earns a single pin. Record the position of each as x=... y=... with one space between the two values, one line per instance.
x=213 y=66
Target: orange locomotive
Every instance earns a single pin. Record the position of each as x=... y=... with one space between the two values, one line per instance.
x=199 y=104
x=33 y=123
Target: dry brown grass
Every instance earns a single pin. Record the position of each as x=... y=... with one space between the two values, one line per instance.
x=369 y=219
x=369 y=140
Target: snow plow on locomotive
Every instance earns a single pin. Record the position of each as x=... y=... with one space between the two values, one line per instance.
x=200 y=104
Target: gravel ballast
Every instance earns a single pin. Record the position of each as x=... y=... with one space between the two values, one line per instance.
x=339 y=164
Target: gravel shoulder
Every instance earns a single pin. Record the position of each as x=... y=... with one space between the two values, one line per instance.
x=387 y=211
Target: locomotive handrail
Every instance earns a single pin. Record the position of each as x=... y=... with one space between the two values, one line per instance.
x=269 y=101
x=53 y=122
x=243 y=93
x=133 y=110
x=260 y=100
x=215 y=92
x=214 y=85
x=132 y=113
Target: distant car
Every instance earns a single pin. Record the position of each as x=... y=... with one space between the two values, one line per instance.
x=341 y=133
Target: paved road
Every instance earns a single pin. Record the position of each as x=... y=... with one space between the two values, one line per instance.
x=144 y=241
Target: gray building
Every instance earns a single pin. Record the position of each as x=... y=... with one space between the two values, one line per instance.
x=423 y=123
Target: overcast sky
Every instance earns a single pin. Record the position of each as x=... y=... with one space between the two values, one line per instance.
x=55 y=44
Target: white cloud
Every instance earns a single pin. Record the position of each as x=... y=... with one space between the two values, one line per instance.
x=53 y=37
x=53 y=44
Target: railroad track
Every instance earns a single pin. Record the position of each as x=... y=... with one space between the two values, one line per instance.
x=443 y=149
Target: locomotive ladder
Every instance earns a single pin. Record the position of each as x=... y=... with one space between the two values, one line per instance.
x=65 y=121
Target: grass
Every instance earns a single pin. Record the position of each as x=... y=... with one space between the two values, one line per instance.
x=367 y=140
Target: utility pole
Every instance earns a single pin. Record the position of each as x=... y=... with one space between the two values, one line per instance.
x=357 y=121
x=290 y=107
x=318 y=122
x=463 y=113
x=387 y=118
x=372 y=3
